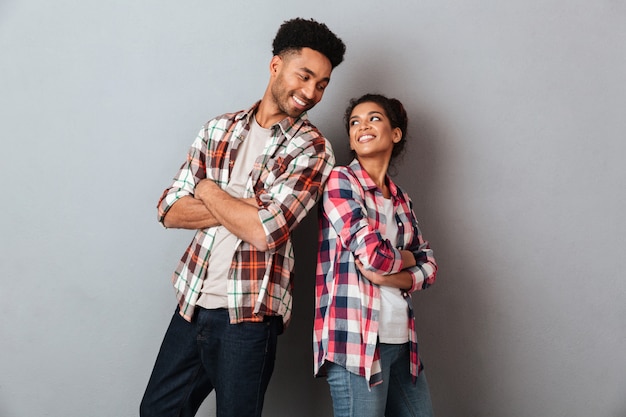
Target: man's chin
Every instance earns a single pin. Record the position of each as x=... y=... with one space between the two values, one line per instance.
x=296 y=113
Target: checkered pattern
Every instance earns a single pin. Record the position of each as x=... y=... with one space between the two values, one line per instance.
x=287 y=180
x=348 y=305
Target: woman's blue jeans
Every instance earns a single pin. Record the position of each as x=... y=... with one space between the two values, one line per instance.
x=235 y=360
x=396 y=396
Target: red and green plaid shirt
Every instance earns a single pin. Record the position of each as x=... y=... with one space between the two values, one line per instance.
x=287 y=180
x=347 y=304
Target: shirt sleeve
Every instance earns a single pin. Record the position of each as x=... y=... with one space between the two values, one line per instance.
x=191 y=172
x=302 y=174
x=424 y=272
x=345 y=209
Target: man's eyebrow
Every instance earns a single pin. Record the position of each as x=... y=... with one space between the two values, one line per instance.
x=312 y=73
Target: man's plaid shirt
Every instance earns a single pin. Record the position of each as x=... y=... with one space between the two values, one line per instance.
x=347 y=304
x=287 y=180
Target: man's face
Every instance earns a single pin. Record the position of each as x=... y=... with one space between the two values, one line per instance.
x=299 y=80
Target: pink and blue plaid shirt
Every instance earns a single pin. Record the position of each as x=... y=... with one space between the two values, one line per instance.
x=347 y=304
x=287 y=180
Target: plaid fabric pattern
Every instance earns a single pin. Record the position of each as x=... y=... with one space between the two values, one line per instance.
x=287 y=180
x=348 y=305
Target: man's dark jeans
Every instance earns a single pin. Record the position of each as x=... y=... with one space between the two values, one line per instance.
x=237 y=360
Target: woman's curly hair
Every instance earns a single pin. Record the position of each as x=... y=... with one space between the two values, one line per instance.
x=299 y=33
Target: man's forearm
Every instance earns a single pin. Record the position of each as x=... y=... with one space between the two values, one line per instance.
x=189 y=213
x=240 y=216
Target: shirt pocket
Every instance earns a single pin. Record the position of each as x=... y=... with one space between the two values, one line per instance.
x=405 y=228
x=271 y=171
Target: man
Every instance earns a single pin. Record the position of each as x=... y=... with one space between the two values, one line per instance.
x=249 y=179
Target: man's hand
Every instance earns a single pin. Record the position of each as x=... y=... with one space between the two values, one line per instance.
x=239 y=215
x=205 y=189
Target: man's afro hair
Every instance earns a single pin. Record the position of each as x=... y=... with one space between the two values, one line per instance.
x=299 y=33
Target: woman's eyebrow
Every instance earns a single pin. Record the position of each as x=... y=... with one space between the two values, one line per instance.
x=369 y=114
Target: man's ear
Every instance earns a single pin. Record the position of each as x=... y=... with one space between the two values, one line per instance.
x=275 y=65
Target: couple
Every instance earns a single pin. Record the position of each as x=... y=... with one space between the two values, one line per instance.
x=249 y=179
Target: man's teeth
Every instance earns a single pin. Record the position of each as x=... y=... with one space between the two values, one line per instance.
x=300 y=102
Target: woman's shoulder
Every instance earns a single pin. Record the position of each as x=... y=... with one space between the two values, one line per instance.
x=343 y=183
x=351 y=170
x=340 y=171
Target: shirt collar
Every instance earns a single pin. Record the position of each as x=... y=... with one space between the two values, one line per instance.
x=288 y=125
x=366 y=181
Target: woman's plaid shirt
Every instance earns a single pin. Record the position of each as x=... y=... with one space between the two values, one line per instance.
x=347 y=304
x=287 y=180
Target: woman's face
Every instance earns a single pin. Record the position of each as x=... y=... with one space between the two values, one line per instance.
x=371 y=134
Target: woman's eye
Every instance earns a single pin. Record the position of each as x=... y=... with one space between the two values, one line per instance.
x=375 y=118
x=354 y=123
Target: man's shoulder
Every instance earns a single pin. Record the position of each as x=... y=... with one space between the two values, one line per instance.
x=232 y=117
x=311 y=143
x=227 y=118
x=305 y=132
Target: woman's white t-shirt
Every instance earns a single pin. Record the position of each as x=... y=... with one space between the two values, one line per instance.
x=393 y=323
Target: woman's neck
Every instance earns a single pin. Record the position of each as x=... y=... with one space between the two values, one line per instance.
x=377 y=171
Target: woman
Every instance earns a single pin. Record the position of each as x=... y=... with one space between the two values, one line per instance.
x=371 y=257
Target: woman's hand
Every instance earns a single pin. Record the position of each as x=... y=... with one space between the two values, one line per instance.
x=402 y=279
x=371 y=276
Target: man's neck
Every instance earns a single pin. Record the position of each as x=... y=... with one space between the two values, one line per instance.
x=268 y=113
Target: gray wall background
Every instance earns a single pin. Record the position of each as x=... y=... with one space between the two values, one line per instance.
x=516 y=166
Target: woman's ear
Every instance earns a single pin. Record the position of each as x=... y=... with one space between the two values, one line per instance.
x=397 y=135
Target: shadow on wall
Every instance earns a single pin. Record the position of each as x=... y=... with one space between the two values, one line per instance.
x=451 y=315
x=294 y=362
